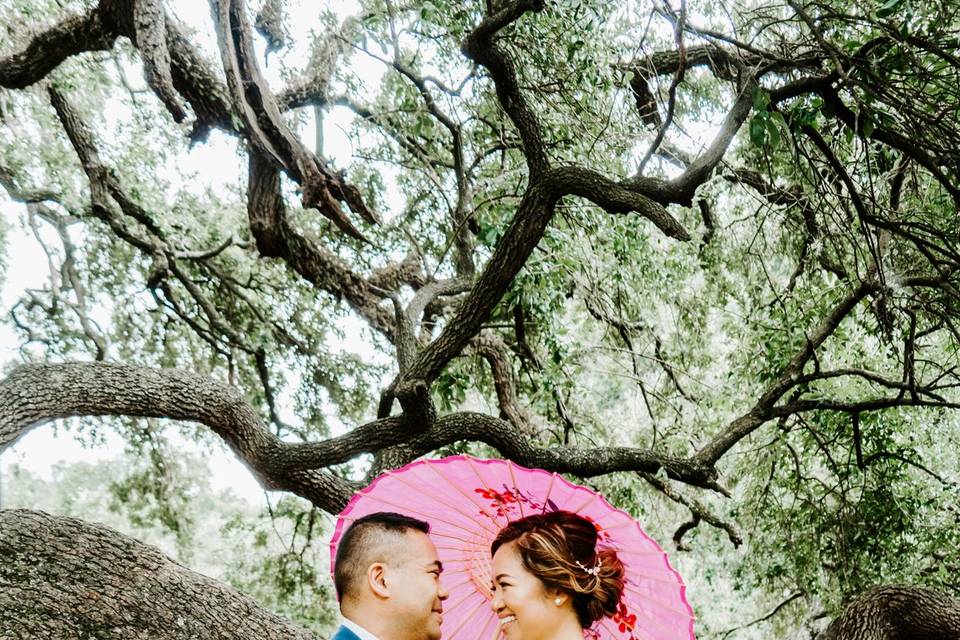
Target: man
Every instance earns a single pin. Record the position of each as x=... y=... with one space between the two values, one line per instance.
x=387 y=577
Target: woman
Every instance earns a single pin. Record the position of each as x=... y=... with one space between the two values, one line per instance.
x=550 y=582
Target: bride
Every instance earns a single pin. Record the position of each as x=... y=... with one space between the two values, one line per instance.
x=550 y=582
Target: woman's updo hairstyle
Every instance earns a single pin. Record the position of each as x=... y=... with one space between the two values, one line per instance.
x=560 y=548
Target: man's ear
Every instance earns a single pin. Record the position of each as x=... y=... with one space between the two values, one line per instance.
x=377 y=580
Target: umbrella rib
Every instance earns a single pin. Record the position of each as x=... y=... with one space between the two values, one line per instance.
x=516 y=489
x=546 y=498
x=590 y=498
x=465 y=572
x=420 y=488
x=403 y=508
x=607 y=624
x=660 y=603
x=460 y=584
x=672 y=579
x=468 y=617
x=652 y=552
x=470 y=463
x=485 y=633
x=653 y=628
x=639 y=632
x=470 y=499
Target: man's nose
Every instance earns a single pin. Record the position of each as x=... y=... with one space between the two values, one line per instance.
x=442 y=592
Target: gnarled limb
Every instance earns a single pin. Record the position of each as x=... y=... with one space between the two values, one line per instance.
x=68 y=37
x=72 y=580
x=763 y=410
x=269 y=134
x=276 y=238
x=481 y=47
x=34 y=394
x=681 y=189
x=892 y=612
x=150 y=29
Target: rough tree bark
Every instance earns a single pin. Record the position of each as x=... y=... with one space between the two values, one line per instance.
x=897 y=612
x=70 y=580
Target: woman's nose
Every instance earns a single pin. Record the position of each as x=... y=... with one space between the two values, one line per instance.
x=497 y=603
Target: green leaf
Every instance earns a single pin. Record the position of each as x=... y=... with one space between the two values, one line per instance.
x=773 y=134
x=758 y=130
x=761 y=98
x=888 y=8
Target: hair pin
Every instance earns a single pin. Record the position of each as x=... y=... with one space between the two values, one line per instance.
x=594 y=570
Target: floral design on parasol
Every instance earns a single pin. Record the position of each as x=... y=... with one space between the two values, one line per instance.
x=468 y=500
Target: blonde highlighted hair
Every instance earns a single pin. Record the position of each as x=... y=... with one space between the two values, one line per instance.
x=560 y=548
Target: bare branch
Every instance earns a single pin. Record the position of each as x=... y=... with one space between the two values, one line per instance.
x=764 y=408
x=481 y=47
x=35 y=394
x=698 y=509
x=68 y=37
x=151 y=39
x=268 y=132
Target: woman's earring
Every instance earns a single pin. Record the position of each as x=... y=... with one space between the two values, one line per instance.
x=558 y=601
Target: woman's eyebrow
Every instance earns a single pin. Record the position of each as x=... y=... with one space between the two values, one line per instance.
x=502 y=575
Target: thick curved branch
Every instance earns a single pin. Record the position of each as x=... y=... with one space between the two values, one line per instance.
x=682 y=189
x=35 y=394
x=580 y=461
x=68 y=37
x=722 y=63
x=535 y=211
x=615 y=198
x=150 y=28
x=98 y=30
x=860 y=406
x=276 y=238
x=105 y=191
x=493 y=349
x=430 y=292
x=72 y=580
x=481 y=47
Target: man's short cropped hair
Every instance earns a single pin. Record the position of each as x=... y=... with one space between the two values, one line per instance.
x=369 y=539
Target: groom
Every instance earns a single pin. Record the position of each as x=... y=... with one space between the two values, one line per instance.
x=387 y=577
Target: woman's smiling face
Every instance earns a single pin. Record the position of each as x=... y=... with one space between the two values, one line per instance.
x=525 y=608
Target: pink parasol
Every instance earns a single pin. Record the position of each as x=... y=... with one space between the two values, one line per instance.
x=467 y=501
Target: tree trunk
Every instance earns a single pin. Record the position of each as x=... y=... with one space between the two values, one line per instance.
x=896 y=612
x=71 y=580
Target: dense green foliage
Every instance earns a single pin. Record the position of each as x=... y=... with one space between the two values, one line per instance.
x=614 y=333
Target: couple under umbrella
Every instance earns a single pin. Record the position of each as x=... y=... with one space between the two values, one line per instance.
x=469 y=549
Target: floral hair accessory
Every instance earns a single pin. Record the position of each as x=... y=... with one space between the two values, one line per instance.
x=594 y=570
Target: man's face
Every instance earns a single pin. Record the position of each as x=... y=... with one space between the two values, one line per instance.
x=415 y=591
